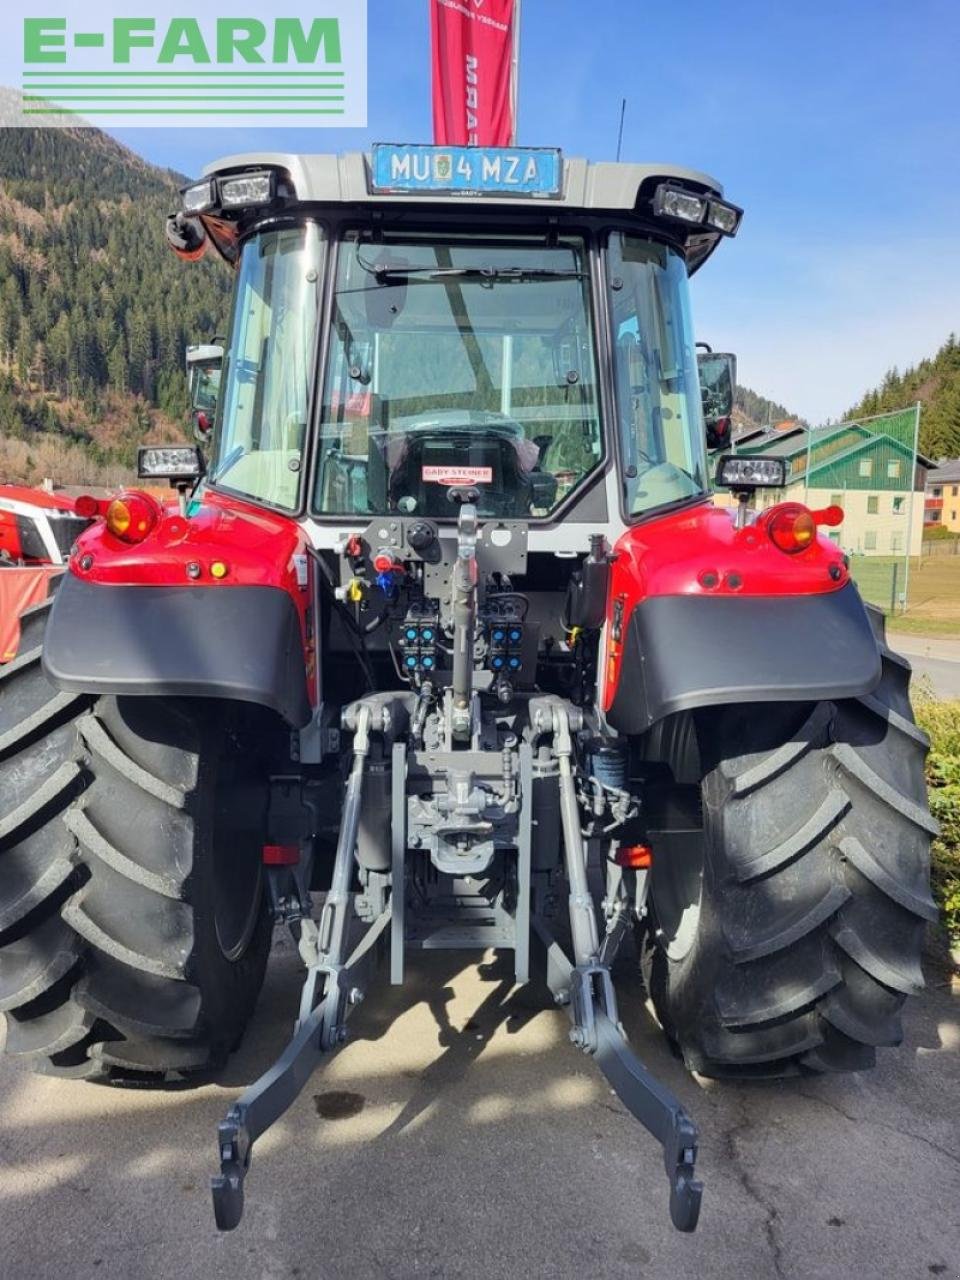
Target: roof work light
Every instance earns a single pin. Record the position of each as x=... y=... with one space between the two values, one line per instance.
x=672 y=201
x=247 y=189
x=198 y=198
x=236 y=191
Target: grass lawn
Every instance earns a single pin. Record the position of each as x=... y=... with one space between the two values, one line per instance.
x=934 y=601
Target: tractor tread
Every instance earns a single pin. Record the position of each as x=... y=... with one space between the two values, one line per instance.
x=831 y=810
x=45 y=717
x=752 y=995
x=767 y=944
x=105 y=946
x=47 y=1033
x=895 y=719
x=31 y=898
x=99 y=741
x=771 y=1045
x=920 y=904
x=896 y=659
x=24 y=659
x=839 y=1052
x=156 y=1057
x=854 y=765
x=54 y=788
x=902 y=973
x=98 y=937
x=138 y=1003
x=36 y=961
x=94 y=843
x=777 y=762
x=816 y=890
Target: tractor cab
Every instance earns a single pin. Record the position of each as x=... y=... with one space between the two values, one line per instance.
x=395 y=337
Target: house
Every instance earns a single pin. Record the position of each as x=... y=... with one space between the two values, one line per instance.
x=941 y=498
x=867 y=468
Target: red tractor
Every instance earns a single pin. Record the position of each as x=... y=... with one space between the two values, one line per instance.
x=38 y=526
x=450 y=631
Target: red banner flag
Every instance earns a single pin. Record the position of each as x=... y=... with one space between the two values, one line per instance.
x=473 y=82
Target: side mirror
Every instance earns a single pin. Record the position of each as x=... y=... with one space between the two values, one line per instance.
x=718 y=380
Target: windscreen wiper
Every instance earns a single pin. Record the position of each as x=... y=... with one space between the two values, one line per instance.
x=398 y=271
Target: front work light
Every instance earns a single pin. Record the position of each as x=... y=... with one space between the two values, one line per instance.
x=178 y=463
x=247 y=189
x=672 y=202
x=750 y=473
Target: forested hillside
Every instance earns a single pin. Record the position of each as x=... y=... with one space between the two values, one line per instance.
x=95 y=311
x=936 y=384
x=752 y=409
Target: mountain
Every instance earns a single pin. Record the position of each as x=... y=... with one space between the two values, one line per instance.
x=750 y=409
x=95 y=311
x=935 y=382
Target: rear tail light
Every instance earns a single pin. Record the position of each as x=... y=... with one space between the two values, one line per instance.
x=634 y=857
x=791 y=527
x=132 y=516
x=281 y=855
x=831 y=516
x=87 y=506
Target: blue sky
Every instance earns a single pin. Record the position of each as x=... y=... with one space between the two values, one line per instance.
x=834 y=124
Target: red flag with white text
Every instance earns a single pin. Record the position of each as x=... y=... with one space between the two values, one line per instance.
x=473 y=43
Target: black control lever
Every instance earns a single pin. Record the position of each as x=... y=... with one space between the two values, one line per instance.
x=460 y=496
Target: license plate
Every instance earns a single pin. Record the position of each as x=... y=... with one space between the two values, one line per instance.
x=514 y=171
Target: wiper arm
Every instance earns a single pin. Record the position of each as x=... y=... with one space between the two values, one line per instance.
x=388 y=271
x=229 y=462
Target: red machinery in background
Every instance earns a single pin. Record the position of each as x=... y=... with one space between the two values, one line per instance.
x=37 y=530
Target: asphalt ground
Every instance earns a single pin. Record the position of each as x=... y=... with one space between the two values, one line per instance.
x=935 y=661
x=458 y=1133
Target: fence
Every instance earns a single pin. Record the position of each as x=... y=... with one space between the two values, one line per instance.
x=941 y=547
x=881 y=581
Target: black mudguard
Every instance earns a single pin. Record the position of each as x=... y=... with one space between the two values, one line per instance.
x=204 y=642
x=682 y=652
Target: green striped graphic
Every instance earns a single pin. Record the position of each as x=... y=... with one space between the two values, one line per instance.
x=181 y=97
x=290 y=74
x=184 y=111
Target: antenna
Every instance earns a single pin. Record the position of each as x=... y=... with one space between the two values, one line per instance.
x=623 y=112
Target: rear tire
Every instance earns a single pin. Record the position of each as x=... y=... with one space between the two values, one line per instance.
x=134 y=929
x=791 y=945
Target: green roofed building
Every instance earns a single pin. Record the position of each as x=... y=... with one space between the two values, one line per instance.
x=869 y=468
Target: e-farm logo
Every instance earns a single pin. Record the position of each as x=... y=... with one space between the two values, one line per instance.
x=306 y=67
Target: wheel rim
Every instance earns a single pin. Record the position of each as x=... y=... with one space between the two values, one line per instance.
x=677 y=890
x=236 y=908
x=238 y=866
